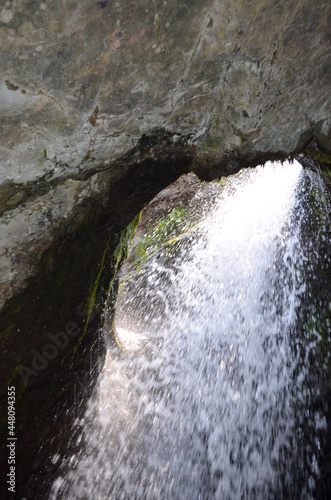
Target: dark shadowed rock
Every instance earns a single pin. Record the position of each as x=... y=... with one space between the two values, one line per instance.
x=102 y=105
x=84 y=88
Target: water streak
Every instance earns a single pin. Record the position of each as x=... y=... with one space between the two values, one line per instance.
x=204 y=395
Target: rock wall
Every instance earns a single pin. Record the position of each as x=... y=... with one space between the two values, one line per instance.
x=82 y=83
x=102 y=105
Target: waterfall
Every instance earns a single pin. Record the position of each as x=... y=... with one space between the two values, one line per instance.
x=208 y=392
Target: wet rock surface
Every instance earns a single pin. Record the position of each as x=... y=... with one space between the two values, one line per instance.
x=146 y=292
x=103 y=104
x=87 y=89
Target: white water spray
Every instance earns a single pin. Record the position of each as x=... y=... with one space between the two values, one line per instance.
x=203 y=396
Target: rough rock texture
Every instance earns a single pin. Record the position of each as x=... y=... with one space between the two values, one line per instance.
x=82 y=83
x=188 y=193
x=103 y=104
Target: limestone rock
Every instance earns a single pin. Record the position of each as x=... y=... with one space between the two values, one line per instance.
x=81 y=84
x=103 y=104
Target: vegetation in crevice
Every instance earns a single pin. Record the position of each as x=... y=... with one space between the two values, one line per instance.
x=165 y=229
x=82 y=264
x=81 y=273
x=312 y=158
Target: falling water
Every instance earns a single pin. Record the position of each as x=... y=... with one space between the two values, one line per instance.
x=207 y=392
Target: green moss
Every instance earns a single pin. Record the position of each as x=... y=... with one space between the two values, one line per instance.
x=165 y=229
x=122 y=248
x=326 y=174
x=323 y=159
x=46 y=306
x=94 y=289
x=112 y=257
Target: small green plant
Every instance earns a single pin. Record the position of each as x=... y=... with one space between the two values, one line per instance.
x=169 y=227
